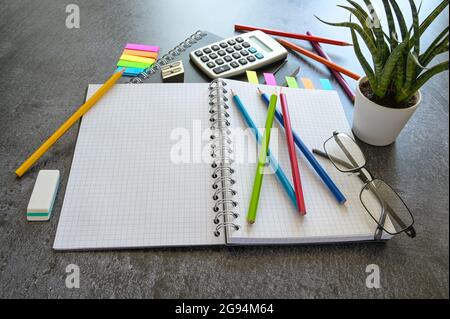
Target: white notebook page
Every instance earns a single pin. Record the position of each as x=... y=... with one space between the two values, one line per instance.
x=124 y=191
x=315 y=114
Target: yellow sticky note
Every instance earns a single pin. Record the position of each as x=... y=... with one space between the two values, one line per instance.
x=308 y=84
x=133 y=58
x=252 y=77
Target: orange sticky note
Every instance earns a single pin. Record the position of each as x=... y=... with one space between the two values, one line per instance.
x=144 y=54
x=308 y=84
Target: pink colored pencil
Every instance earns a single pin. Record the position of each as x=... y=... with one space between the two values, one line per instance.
x=293 y=156
x=336 y=74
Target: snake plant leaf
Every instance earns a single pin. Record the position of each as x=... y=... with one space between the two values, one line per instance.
x=364 y=14
x=367 y=40
x=416 y=36
x=424 y=78
x=411 y=71
x=433 y=15
x=432 y=50
x=377 y=30
x=400 y=75
x=400 y=19
x=362 y=60
x=391 y=24
x=389 y=68
x=362 y=18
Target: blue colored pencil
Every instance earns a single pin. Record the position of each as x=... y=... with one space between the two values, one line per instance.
x=309 y=156
x=273 y=162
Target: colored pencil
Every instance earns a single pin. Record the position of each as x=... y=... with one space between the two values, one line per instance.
x=293 y=156
x=239 y=27
x=69 y=123
x=310 y=157
x=345 y=86
x=282 y=178
x=259 y=176
x=318 y=58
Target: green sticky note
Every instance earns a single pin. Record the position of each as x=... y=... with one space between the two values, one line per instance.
x=131 y=64
x=252 y=77
x=291 y=82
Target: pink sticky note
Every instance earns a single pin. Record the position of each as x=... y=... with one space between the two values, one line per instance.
x=142 y=47
x=270 y=79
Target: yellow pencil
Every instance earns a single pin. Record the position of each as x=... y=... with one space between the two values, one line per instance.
x=68 y=124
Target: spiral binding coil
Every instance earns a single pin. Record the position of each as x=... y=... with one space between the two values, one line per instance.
x=169 y=56
x=221 y=150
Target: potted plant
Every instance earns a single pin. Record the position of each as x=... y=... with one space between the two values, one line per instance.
x=388 y=95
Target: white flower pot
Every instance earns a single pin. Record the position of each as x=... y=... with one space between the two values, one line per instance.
x=379 y=125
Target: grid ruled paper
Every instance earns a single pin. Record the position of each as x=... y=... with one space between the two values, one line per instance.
x=315 y=114
x=124 y=191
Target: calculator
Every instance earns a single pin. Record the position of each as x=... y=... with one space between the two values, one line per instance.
x=234 y=56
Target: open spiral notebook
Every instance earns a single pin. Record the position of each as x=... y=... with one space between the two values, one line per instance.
x=141 y=177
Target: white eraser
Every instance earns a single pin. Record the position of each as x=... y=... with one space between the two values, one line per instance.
x=43 y=196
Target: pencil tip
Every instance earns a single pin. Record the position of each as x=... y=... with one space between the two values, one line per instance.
x=259 y=90
x=232 y=92
x=251 y=222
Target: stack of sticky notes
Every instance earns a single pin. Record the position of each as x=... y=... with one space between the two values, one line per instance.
x=137 y=57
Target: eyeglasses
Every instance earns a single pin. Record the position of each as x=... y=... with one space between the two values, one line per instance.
x=382 y=203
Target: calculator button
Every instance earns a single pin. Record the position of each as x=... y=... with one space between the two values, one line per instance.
x=237 y=47
x=204 y=59
x=231 y=42
x=210 y=65
x=230 y=50
x=228 y=58
x=236 y=55
x=215 y=47
x=198 y=53
x=219 y=62
x=221 y=69
x=213 y=56
x=207 y=50
x=251 y=58
x=234 y=64
x=259 y=56
x=243 y=61
x=223 y=45
x=252 y=50
x=221 y=53
x=246 y=45
x=244 y=52
x=239 y=40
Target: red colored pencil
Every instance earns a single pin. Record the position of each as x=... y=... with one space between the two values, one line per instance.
x=293 y=156
x=318 y=58
x=239 y=27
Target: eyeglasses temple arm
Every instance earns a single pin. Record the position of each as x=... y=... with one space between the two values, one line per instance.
x=340 y=162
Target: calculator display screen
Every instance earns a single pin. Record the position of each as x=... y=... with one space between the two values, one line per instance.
x=261 y=44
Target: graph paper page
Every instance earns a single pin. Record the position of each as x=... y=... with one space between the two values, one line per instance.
x=315 y=115
x=124 y=189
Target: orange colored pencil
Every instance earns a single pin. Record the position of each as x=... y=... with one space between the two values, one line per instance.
x=239 y=27
x=318 y=58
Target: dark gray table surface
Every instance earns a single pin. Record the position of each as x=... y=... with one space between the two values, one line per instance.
x=45 y=69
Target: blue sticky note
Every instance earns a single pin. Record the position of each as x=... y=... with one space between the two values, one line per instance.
x=326 y=84
x=131 y=71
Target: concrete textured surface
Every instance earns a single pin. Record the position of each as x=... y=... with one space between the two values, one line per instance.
x=45 y=68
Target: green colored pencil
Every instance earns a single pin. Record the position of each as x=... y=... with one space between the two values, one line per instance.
x=251 y=216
